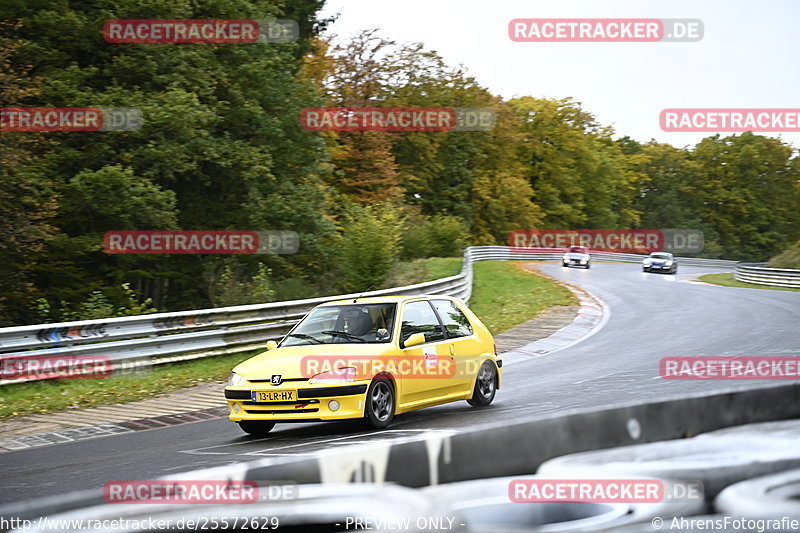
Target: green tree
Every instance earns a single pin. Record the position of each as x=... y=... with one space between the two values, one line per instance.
x=747 y=193
x=367 y=247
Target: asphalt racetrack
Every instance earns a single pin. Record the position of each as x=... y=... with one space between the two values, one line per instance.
x=651 y=316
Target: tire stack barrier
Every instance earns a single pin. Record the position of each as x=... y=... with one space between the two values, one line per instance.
x=486 y=508
x=500 y=449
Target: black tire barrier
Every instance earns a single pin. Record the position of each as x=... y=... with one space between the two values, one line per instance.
x=514 y=448
x=716 y=462
x=773 y=496
x=486 y=507
x=354 y=507
x=781 y=429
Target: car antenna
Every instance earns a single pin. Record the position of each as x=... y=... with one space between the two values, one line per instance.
x=363 y=293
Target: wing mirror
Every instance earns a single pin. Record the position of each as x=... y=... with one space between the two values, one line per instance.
x=414 y=340
x=271 y=345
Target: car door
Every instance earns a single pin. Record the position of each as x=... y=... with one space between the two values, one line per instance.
x=462 y=344
x=424 y=374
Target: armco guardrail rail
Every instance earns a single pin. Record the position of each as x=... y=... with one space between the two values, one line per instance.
x=168 y=337
x=759 y=274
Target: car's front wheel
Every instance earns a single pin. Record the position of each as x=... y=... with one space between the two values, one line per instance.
x=380 y=403
x=485 y=386
x=588 y=265
x=256 y=428
x=564 y=265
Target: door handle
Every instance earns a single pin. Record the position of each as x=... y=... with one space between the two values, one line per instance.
x=452 y=350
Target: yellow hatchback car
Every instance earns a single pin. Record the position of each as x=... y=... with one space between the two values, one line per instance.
x=367 y=358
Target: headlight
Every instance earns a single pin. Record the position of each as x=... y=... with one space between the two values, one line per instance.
x=583 y=260
x=235 y=380
x=340 y=375
x=669 y=263
x=646 y=262
x=565 y=258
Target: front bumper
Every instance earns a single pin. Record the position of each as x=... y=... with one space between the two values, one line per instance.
x=313 y=402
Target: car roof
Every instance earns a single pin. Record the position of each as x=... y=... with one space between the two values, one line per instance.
x=387 y=299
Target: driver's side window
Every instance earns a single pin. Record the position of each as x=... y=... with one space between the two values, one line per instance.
x=418 y=317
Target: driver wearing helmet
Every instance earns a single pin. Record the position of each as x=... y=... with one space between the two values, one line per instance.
x=359 y=322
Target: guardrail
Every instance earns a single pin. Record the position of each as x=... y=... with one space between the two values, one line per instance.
x=759 y=274
x=130 y=342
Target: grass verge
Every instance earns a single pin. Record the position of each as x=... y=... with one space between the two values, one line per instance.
x=726 y=279
x=419 y=270
x=503 y=297
x=61 y=394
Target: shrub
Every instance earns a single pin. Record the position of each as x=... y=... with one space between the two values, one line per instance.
x=787 y=259
x=440 y=236
x=230 y=284
x=367 y=248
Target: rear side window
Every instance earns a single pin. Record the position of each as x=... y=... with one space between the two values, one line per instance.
x=455 y=322
x=418 y=317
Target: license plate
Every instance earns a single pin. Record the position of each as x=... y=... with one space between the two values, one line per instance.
x=274 y=396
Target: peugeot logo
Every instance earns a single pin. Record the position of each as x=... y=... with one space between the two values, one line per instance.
x=277 y=379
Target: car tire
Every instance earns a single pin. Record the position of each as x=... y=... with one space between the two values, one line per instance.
x=485 y=385
x=564 y=265
x=645 y=270
x=588 y=265
x=256 y=428
x=380 y=404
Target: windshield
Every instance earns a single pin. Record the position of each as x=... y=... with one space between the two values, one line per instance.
x=344 y=324
x=661 y=256
x=578 y=250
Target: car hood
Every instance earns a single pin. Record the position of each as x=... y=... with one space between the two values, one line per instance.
x=575 y=255
x=298 y=361
x=659 y=261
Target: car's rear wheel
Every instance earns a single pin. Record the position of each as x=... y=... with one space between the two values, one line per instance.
x=256 y=428
x=485 y=386
x=379 y=410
